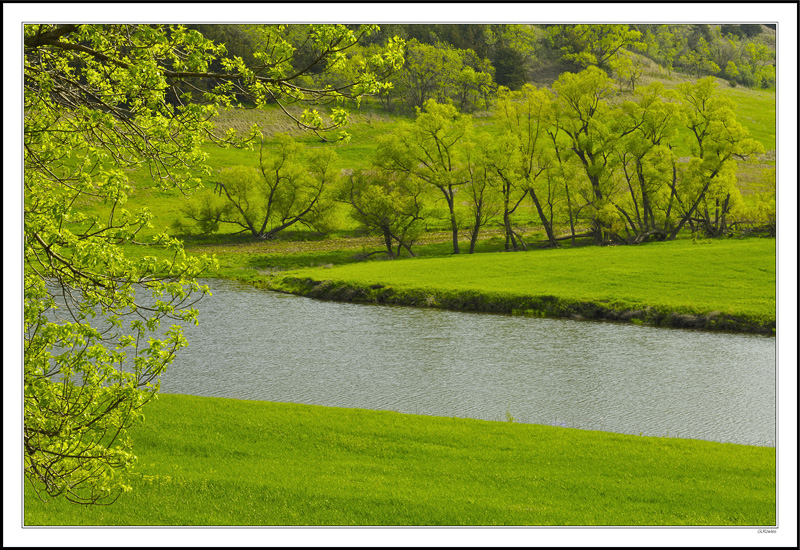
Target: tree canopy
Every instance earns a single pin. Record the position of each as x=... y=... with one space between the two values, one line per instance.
x=99 y=101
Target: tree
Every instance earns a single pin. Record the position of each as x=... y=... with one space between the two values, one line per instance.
x=525 y=116
x=751 y=30
x=99 y=100
x=731 y=70
x=474 y=85
x=429 y=73
x=430 y=149
x=510 y=68
x=581 y=113
x=648 y=125
x=287 y=188
x=513 y=52
x=630 y=69
x=565 y=172
x=481 y=186
x=505 y=162
x=759 y=57
x=671 y=44
x=698 y=59
x=724 y=48
x=441 y=72
x=708 y=191
x=388 y=204
x=594 y=45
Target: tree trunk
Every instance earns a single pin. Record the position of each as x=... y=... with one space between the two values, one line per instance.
x=545 y=222
x=453 y=222
x=407 y=247
x=475 y=230
x=571 y=221
x=723 y=227
x=387 y=239
x=511 y=242
x=454 y=225
x=687 y=218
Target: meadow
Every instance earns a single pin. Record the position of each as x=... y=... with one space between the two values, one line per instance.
x=213 y=461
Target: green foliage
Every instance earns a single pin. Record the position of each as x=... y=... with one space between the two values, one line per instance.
x=513 y=52
x=101 y=103
x=594 y=45
x=739 y=52
x=731 y=71
x=430 y=150
x=289 y=464
x=90 y=362
x=708 y=182
x=522 y=159
x=279 y=55
x=511 y=49
x=481 y=187
x=583 y=115
x=288 y=188
x=630 y=69
x=443 y=73
x=698 y=61
x=387 y=204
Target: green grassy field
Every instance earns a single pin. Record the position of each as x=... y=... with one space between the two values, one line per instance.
x=212 y=461
x=735 y=277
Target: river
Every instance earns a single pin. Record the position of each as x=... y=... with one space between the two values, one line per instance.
x=255 y=344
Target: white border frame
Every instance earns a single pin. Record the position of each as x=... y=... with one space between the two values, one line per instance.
x=784 y=14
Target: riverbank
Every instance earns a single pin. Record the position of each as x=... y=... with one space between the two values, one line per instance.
x=534 y=306
x=213 y=461
x=682 y=284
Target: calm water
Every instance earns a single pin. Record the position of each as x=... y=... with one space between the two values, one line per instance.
x=254 y=344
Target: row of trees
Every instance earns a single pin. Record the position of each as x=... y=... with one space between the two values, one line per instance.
x=465 y=64
x=576 y=157
x=738 y=53
x=510 y=49
x=515 y=49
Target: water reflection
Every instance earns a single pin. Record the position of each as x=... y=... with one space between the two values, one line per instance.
x=253 y=344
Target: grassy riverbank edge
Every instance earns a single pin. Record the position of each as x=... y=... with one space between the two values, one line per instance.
x=678 y=284
x=518 y=304
x=218 y=461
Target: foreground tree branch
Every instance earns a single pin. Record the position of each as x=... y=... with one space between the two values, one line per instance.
x=99 y=100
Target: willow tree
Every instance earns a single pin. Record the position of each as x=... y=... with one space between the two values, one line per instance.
x=431 y=149
x=482 y=186
x=582 y=115
x=289 y=188
x=526 y=116
x=387 y=204
x=707 y=190
x=648 y=163
x=100 y=100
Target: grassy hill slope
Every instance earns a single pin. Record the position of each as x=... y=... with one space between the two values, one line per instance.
x=212 y=461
